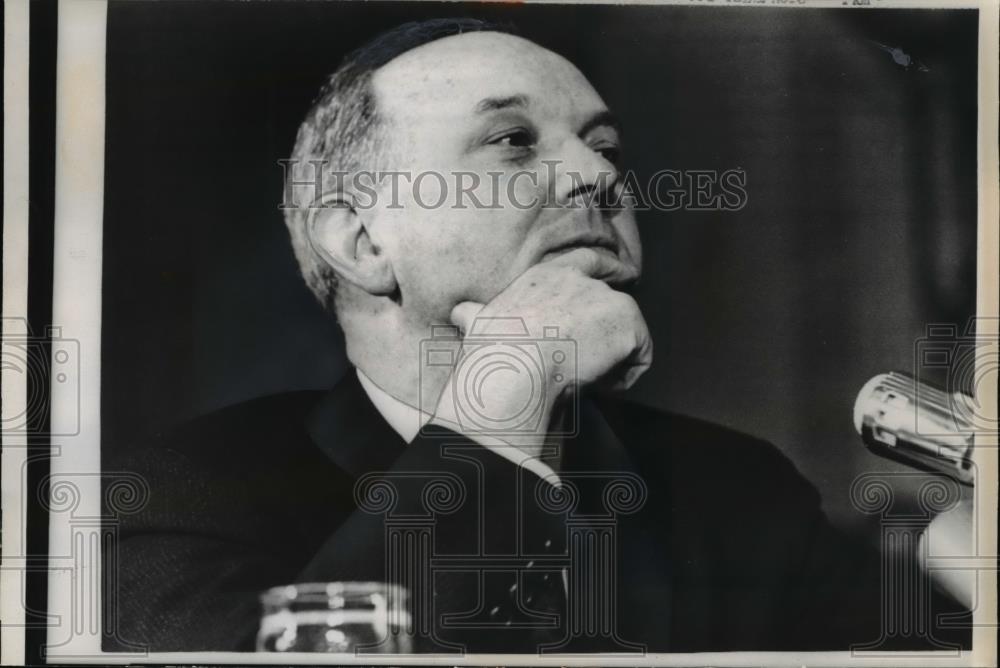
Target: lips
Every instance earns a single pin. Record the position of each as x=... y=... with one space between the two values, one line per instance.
x=606 y=242
x=625 y=272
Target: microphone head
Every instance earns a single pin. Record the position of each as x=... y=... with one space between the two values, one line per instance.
x=907 y=420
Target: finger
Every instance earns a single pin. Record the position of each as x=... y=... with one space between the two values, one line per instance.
x=628 y=371
x=464 y=314
x=633 y=368
x=642 y=361
x=597 y=264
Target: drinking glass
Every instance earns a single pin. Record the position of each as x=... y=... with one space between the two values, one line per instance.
x=354 y=617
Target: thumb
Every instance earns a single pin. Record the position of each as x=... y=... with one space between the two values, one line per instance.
x=464 y=314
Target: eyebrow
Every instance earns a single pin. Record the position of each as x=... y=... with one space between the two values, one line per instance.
x=601 y=118
x=498 y=103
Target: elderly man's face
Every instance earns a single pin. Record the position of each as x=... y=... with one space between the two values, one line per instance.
x=537 y=136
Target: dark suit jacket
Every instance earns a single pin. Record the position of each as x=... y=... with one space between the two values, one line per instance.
x=711 y=540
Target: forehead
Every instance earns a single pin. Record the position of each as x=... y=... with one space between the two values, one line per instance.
x=448 y=78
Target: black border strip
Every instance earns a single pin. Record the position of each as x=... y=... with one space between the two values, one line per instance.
x=43 y=36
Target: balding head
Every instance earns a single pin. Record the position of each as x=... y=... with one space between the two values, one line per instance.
x=516 y=123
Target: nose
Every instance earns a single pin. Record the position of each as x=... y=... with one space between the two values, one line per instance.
x=579 y=172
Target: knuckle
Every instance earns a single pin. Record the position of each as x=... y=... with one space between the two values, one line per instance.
x=625 y=302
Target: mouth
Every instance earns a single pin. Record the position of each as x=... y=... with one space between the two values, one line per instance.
x=595 y=241
x=605 y=243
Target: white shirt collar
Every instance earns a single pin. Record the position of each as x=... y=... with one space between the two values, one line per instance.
x=407 y=422
x=403 y=418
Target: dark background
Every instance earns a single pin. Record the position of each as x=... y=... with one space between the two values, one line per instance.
x=858 y=232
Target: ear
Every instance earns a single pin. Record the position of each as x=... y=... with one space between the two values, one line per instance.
x=338 y=234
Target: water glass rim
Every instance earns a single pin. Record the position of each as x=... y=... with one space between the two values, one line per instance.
x=280 y=594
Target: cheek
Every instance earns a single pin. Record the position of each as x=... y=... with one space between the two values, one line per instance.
x=439 y=260
x=469 y=248
x=446 y=256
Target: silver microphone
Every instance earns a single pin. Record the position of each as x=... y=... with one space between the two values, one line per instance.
x=909 y=420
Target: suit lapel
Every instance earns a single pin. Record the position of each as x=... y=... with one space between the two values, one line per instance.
x=348 y=429
x=644 y=588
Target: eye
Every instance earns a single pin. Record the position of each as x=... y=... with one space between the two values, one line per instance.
x=518 y=138
x=610 y=152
